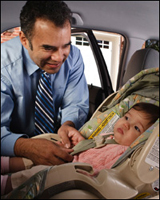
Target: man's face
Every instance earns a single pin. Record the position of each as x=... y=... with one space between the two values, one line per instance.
x=130 y=126
x=50 y=45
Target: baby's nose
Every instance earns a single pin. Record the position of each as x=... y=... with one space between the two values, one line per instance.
x=126 y=125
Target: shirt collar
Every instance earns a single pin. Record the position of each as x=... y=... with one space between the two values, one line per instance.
x=31 y=67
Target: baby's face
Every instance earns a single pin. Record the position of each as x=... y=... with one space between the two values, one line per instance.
x=130 y=126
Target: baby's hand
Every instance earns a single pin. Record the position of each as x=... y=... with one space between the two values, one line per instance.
x=75 y=137
x=69 y=135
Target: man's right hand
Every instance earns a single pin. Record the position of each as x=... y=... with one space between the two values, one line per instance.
x=42 y=151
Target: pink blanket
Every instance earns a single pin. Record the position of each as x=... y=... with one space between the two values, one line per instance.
x=101 y=158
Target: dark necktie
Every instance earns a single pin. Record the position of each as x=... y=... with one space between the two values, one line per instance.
x=44 y=117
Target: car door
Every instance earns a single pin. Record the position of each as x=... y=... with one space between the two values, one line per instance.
x=99 y=82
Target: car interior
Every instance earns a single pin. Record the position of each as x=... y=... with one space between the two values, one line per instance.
x=131 y=28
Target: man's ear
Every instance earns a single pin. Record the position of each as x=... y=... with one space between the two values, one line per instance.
x=23 y=39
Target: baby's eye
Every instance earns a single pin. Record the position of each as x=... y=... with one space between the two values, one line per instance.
x=137 y=129
x=126 y=117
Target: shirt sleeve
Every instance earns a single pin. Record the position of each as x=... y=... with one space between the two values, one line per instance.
x=8 y=138
x=75 y=105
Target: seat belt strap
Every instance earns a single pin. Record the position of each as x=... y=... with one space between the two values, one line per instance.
x=96 y=142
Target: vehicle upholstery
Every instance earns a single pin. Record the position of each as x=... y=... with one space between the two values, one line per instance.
x=137 y=21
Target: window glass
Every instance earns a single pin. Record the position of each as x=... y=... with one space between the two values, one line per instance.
x=111 y=46
x=91 y=71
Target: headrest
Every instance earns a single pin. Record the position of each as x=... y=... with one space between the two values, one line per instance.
x=140 y=60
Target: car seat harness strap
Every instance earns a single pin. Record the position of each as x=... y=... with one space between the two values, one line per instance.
x=97 y=142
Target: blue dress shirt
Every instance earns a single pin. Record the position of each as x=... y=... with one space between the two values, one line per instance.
x=19 y=81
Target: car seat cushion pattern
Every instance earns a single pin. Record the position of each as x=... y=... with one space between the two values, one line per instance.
x=131 y=93
x=145 y=83
x=143 y=87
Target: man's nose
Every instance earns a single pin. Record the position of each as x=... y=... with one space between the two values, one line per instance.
x=58 y=55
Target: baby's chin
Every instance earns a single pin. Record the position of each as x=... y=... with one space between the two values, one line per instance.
x=117 y=140
x=121 y=142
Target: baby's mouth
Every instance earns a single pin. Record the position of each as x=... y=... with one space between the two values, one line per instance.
x=120 y=130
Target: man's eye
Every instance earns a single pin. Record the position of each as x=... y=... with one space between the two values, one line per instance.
x=48 y=48
x=137 y=129
x=67 y=45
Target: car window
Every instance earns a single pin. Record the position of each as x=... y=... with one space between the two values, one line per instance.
x=111 y=46
x=91 y=70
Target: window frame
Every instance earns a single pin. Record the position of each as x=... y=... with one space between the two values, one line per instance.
x=99 y=59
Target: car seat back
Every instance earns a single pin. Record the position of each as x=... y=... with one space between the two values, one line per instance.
x=140 y=60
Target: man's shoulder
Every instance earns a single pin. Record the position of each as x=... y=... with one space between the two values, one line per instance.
x=74 y=50
x=11 y=51
x=74 y=55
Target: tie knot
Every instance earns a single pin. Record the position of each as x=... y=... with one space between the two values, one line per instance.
x=46 y=74
x=43 y=73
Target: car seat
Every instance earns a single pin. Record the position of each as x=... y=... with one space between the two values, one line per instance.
x=134 y=175
x=142 y=59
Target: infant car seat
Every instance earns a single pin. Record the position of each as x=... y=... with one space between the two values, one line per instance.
x=134 y=175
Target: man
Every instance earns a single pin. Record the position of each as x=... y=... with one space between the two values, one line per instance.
x=44 y=43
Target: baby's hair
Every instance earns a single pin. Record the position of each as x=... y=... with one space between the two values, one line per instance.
x=151 y=111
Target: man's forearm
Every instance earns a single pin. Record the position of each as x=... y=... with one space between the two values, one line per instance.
x=22 y=146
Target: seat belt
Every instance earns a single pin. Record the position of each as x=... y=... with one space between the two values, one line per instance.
x=96 y=142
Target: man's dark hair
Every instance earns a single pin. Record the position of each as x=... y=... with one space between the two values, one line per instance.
x=151 y=110
x=56 y=11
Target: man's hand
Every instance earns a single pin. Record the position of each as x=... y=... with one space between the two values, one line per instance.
x=69 y=135
x=42 y=151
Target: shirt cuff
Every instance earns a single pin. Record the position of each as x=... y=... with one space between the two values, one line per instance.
x=7 y=145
